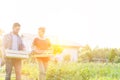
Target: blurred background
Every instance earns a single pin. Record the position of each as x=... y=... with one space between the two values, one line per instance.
x=91 y=22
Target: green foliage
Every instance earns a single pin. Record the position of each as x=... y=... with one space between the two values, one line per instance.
x=72 y=71
x=66 y=58
x=117 y=59
x=30 y=70
x=83 y=71
x=57 y=49
x=86 y=53
x=103 y=54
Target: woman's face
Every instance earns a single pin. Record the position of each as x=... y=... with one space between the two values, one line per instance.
x=41 y=33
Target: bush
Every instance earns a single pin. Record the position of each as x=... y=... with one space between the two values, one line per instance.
x=30 y=70
x=112 y=55
x=73 y=71
x=117 y=59
x=83 y=71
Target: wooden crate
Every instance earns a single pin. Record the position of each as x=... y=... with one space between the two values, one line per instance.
x=44 y=53
x=16 y=54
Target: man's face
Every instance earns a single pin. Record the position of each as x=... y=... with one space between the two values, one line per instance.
x=16 y=29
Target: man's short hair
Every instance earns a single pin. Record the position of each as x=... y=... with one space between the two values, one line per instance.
x=16 y=25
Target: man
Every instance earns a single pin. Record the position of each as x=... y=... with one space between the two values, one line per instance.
x=13 y=41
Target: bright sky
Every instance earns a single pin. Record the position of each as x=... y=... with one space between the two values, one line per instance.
x=93 y=22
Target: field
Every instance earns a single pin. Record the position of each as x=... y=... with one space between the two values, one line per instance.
x=73 y=71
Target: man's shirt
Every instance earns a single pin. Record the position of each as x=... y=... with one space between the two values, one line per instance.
x=15 y=43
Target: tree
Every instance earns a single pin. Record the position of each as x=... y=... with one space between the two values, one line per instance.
x=86 y=53
x=112 y=55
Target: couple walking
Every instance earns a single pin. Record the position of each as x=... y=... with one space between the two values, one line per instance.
x=13 y=41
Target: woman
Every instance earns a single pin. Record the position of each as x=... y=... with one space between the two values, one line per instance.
x=40 y=45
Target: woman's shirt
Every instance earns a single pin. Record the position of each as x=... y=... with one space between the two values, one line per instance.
x=41 y=44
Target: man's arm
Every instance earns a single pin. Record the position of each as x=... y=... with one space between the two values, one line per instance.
x=5 y=42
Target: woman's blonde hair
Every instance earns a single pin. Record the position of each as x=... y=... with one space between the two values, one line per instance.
x=42 y=29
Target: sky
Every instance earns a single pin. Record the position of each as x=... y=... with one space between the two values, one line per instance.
x=93 y=22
